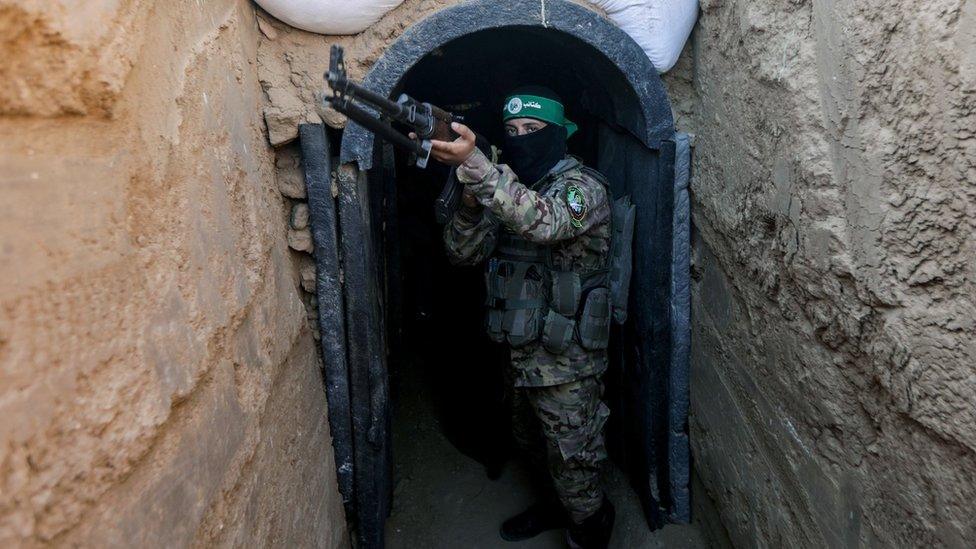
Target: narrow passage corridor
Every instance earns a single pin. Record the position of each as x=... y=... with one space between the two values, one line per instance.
x=441 y=494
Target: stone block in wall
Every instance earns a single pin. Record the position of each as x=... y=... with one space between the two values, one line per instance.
x=291 y=183
x=307 y=271
x=283 y=116
x=287 y=109
x=299 y=216
x=300 y=241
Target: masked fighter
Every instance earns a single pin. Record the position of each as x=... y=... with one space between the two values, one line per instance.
x=541 y=221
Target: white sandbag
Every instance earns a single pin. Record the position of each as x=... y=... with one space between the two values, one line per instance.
x=660 y=27
x=329 y=16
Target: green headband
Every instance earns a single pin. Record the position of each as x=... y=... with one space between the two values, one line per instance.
x=540 y=108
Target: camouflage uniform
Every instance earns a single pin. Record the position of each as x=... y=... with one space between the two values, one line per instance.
x=557 y=394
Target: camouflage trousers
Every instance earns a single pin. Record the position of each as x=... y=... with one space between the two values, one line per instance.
x=560 y=428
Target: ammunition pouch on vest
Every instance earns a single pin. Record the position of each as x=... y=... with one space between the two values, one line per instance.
x=516 y=281
x=529 y=300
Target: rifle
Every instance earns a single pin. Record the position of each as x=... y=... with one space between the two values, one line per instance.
x=425 y=120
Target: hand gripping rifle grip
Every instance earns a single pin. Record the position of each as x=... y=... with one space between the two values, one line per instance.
x=442 y=124
x=449 y=200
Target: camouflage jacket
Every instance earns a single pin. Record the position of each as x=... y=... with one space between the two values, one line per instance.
x=568 y=210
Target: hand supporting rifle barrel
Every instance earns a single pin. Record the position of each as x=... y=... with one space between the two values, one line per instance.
x=425 y=120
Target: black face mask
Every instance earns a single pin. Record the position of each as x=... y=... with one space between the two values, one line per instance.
x=531 y=156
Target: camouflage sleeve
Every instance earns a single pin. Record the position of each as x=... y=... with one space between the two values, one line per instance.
x=470 y=236
x=536 y=217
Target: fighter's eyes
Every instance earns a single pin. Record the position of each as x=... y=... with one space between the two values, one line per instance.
x=528 y=128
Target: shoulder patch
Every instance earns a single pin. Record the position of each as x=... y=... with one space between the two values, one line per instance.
x=577 y=204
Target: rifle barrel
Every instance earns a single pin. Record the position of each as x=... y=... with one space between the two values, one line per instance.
x=373 y=124
x=388 y=107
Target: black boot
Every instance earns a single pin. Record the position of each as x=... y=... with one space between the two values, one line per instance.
x=594 y=532
x=546 y=515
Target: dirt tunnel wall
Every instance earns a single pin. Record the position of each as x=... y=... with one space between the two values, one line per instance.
x=159 y=384
x=159 y=374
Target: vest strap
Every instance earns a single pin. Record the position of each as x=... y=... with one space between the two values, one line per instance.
x=511 y=246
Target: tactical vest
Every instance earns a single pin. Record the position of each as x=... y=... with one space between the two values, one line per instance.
x=528 y=299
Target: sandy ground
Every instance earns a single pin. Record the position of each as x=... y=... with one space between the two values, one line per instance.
x=443 y=498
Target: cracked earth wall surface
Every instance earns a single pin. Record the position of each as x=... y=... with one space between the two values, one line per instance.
x=159 y=382
x=834 y=365
x=834 y=358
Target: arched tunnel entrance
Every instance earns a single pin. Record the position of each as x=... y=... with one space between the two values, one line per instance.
x=405 y=329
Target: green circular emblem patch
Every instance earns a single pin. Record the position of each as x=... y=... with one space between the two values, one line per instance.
x=515 y=105
x=576 y=203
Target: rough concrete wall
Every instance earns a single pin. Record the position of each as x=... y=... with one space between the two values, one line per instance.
x=834 y=380
x=159 y=385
